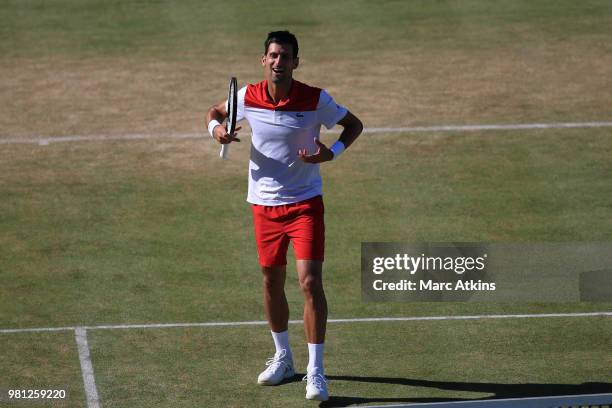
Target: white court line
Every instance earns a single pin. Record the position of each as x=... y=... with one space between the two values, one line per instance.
x=262 y=323
x=470 y=128
x=89 y=381
x=534 y=402
x=44 y=141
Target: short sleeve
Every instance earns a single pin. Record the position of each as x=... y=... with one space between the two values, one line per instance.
x=240 y=110
x=329 y=112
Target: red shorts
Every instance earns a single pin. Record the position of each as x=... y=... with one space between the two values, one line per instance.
x=301 y=223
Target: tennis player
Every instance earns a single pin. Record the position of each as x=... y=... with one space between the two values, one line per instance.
x=285 y=192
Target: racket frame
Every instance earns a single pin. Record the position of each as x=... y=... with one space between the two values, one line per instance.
x=232 y=106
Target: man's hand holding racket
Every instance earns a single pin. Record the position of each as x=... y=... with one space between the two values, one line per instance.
x=225 y=111
x=220 y=134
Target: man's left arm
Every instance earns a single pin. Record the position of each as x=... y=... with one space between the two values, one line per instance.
x=352 y=129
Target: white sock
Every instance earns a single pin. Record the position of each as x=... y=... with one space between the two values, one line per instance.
x=315 y=358
x=281 y=342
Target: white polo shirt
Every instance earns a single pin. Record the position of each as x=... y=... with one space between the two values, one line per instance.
x=279 y=131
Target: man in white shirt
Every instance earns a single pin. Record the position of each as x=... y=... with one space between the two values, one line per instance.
x=285 y=192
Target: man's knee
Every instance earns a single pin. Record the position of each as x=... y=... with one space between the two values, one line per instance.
x=273 y=279
x=311 y=284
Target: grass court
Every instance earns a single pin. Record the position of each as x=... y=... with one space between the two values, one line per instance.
x=158 y=231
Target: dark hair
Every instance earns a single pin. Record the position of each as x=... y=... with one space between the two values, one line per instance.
x=282 y=37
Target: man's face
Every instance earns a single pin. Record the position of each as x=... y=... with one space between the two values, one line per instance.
x=279 y=63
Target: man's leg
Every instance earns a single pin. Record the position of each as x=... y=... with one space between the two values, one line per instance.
x=276 y=308
x=315 y=322
x=275 y=301
x=272 y=244
x=315 y=304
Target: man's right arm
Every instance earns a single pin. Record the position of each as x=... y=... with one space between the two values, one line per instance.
x=218 y=113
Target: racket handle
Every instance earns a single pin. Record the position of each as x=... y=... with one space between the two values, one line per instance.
x=224 y=151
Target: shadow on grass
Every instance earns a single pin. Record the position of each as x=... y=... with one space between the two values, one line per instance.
x=500 y=390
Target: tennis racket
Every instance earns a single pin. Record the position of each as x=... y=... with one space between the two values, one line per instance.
x=232 y=106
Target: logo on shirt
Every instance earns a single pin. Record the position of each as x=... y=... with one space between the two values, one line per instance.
x=299 y=115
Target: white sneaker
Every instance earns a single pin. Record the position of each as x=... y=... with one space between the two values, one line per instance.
x=316 y=387
x=280 y=367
